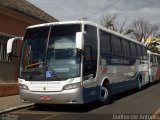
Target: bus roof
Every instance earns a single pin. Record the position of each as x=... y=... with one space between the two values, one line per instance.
x=89 y=23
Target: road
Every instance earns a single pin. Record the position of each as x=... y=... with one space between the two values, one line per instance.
x=130 y=103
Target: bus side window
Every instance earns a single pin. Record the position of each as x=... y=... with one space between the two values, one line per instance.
x=139 y=52
x=105 y=44
x=125 y=48
x=116 y=46
x=87 y=59
x=133 y=50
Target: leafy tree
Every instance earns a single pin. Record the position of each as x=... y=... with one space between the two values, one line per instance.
x=152 y=46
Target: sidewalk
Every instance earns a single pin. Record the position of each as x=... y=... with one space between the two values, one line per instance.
x=10 y=103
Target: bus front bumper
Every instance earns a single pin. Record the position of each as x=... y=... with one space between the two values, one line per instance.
x=72 y=96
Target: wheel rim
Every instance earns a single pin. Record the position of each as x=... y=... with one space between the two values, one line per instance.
x=104 y=93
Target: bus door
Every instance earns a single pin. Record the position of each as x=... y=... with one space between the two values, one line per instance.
x=90 y=56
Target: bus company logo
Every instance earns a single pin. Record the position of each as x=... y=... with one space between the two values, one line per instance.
x=44 y=88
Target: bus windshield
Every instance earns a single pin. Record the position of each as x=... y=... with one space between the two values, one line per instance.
x=50 y=58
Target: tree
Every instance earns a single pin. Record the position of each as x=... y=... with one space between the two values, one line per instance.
x=112 y=22
x=141 y=30
x=152 y=46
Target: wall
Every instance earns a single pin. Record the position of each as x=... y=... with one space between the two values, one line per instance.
x=8 y=80
x=8 y=89
x=12 y=25
x=7 y=72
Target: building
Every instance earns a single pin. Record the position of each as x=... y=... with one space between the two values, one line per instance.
x=15 y=16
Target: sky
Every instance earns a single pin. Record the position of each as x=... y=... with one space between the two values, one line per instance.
x=66 y=10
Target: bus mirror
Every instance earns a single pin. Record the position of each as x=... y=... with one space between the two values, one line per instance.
x=79 y=38
x=10 y=45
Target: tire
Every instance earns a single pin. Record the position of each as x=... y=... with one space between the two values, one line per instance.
x=106 y=94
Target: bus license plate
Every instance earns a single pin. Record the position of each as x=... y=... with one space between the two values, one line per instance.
x=45 y=98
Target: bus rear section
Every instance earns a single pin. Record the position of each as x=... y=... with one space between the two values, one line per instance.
x=154 y=66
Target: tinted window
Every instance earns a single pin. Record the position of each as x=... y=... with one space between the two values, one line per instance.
x=125 y=48
x=105 y=45
x=116 y=45
x=59 y=52
x=139 y=51
x=133 y=50
x=144 y=50
x=90 y=51
x=34 y=47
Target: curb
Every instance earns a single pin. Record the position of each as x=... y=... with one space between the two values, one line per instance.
x=16 y=108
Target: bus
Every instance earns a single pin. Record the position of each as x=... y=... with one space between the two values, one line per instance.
x=154 y=66
x=77 y=62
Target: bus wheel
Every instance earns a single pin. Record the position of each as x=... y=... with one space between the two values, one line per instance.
x=139 y=84
x=106 y=94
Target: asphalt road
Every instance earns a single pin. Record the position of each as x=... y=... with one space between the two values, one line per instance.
x=129 y=105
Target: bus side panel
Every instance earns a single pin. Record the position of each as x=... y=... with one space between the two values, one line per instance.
x=143 y=71
x=123 y=86
x=91 y=94
x=157 y=75
x=121 y=76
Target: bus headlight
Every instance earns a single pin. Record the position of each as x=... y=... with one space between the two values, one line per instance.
x=72 y=86
x=23 y=86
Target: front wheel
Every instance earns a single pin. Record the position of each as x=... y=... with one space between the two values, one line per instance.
x=106 y=94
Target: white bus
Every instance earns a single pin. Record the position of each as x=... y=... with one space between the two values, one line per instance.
x=154 y=66
x=78 y=62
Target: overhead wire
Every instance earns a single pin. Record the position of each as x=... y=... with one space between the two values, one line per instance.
x=104 y=8
x=112 y=4
x=151 y=3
